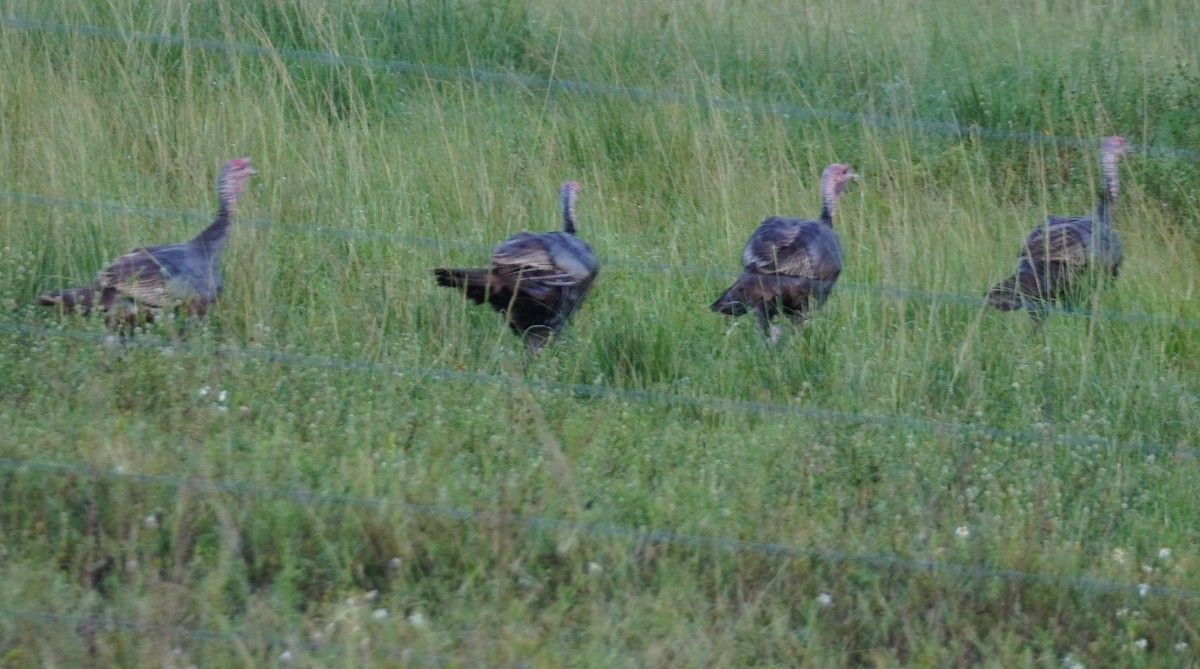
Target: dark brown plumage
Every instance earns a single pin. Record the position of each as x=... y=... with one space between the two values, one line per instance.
x=1063 y=259
x=171 y=276
x=790 y=264
x=536 y=279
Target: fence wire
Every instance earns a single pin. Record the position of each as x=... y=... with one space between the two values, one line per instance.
x=84 y=624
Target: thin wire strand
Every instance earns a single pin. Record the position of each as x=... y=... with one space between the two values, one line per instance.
x=99 y=622
x=1045 y=437
x=894 y=292
x=582 y=87
x=641 y=535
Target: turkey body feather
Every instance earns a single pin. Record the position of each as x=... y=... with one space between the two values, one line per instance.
x=536 y=279
x=182 y=276
x=790 y=265
x=1066 y=258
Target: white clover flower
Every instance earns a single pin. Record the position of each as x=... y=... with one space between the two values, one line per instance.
x=417 y=619
x=395 y=563
x=203 y=392
x=1069 y=662
x=1143 y=589
x=379 y=614
x=150 y=521
x=222 y=396
x=1181 y=647
x=1164 y=553
x=1141 y=644
x=1119 y=556
x=285 y=656
x=825 y=599
x=594 y=568
x=962 y=531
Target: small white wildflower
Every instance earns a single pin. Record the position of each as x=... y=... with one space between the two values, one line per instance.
x=1181 y=647
x=1118 y=556
x=371 y=595
x=417 y=619
x=594 y=568
x=1122 y=612
x=1143 y=589
x=1147 y=568
x=1164 y=553
x=285 y=656
x=962 y=531
x=222 y=396
x=1141 y=644
x=395 y=563
x=203 y=392
x=379 y=614
x=150 y=521
x=825 y=599
x=1069 y=662
x=1016 y=385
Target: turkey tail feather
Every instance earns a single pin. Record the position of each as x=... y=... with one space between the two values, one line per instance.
x=1025 y=289
x=733 y=302
x=81 y=299
x=475 y=281
x=1004 y=295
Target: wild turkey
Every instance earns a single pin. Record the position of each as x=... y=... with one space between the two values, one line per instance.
x=791 y=264
x=536 y=279
x=171 y=276
x=1062 y=258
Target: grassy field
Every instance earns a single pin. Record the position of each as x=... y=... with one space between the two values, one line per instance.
x=346 y=465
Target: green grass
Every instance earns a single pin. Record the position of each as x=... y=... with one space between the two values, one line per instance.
x=383 y=446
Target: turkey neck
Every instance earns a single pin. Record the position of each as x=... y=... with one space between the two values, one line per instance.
x=829 y=196
x=212 y=239
x=568 y=209
x=1108 y=194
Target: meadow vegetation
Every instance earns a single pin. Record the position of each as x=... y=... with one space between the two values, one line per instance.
x=346 y=465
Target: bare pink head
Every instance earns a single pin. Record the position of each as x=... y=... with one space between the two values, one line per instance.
x=834 y=180
x=1114 y=146
x=232 y=179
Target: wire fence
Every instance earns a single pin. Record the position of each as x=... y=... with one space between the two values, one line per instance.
x=666 y=536
x=637 y=535
x=886 y=291
x=950 y=128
